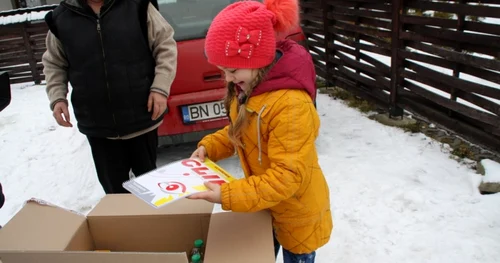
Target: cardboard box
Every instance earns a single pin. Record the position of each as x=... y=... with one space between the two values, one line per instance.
x=135 y=232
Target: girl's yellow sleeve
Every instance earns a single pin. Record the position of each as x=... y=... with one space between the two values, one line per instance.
x=218 y=145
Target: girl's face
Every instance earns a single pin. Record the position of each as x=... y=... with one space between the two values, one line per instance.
x=242 y=78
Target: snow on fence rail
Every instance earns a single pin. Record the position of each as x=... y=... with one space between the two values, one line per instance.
x=445 y=57
x=22 y=43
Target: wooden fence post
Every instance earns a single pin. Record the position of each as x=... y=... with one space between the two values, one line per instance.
x=357 y=40
x=328 y=42
x=30 y=54
x=397 y=63
x=456 y=69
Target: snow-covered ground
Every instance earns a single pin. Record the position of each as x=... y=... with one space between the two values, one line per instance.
x=396 y=197
x=20 y=18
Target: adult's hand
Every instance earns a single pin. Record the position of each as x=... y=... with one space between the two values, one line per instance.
x=157 y=103
x=61 y=114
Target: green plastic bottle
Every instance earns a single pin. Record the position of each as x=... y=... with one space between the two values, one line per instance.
x=196 y=258
x=198 y=245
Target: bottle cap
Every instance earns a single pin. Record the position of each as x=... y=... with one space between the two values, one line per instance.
x=198 y=243
x=196 y=258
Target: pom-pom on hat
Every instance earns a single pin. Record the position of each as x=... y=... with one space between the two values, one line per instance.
x=243 y=35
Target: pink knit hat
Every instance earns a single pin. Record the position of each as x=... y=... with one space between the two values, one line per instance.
x=243 y=35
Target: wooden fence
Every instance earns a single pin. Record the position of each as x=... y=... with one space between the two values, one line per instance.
x=393 y=52
x=437 y=59
x=22 y=46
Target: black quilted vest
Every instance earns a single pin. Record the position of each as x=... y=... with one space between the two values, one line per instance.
x=111 y=67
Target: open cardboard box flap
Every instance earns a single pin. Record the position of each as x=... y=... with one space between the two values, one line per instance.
x=134 y=232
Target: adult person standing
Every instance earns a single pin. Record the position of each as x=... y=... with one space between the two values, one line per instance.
x=5 y=95
x=121 y=59
x=2 y=196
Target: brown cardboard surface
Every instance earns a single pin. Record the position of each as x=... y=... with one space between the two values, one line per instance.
x=40 y=227
x=130 y=205
x=135 y=232
x=82 y=240
x=122 y=222
x=240 y=237
x=160 y=233
x=91 y=257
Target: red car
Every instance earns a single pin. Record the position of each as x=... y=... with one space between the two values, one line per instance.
x=195 y=105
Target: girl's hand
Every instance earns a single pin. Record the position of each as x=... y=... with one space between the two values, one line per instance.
x=200 y=153
x=211 y=195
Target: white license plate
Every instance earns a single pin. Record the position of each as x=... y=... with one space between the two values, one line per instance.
x=203 y=111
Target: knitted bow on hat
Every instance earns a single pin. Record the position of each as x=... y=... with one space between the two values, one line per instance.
x=243 y=35
x=249 y=38
x=234 y=49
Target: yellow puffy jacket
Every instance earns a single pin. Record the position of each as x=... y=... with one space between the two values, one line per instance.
x=281 y=168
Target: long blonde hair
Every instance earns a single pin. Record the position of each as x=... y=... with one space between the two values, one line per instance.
x=236 y=127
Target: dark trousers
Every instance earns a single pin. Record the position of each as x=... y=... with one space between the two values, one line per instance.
x=289 y=257
x=114 y=159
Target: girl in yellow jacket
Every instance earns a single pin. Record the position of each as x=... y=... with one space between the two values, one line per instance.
x=273 y=125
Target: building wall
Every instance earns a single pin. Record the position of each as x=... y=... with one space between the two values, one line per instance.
x=5 y=5
x=53 y=2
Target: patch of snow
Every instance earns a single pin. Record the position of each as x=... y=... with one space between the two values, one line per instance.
x=41 y=159
x=21 y=18
x=492 y=171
